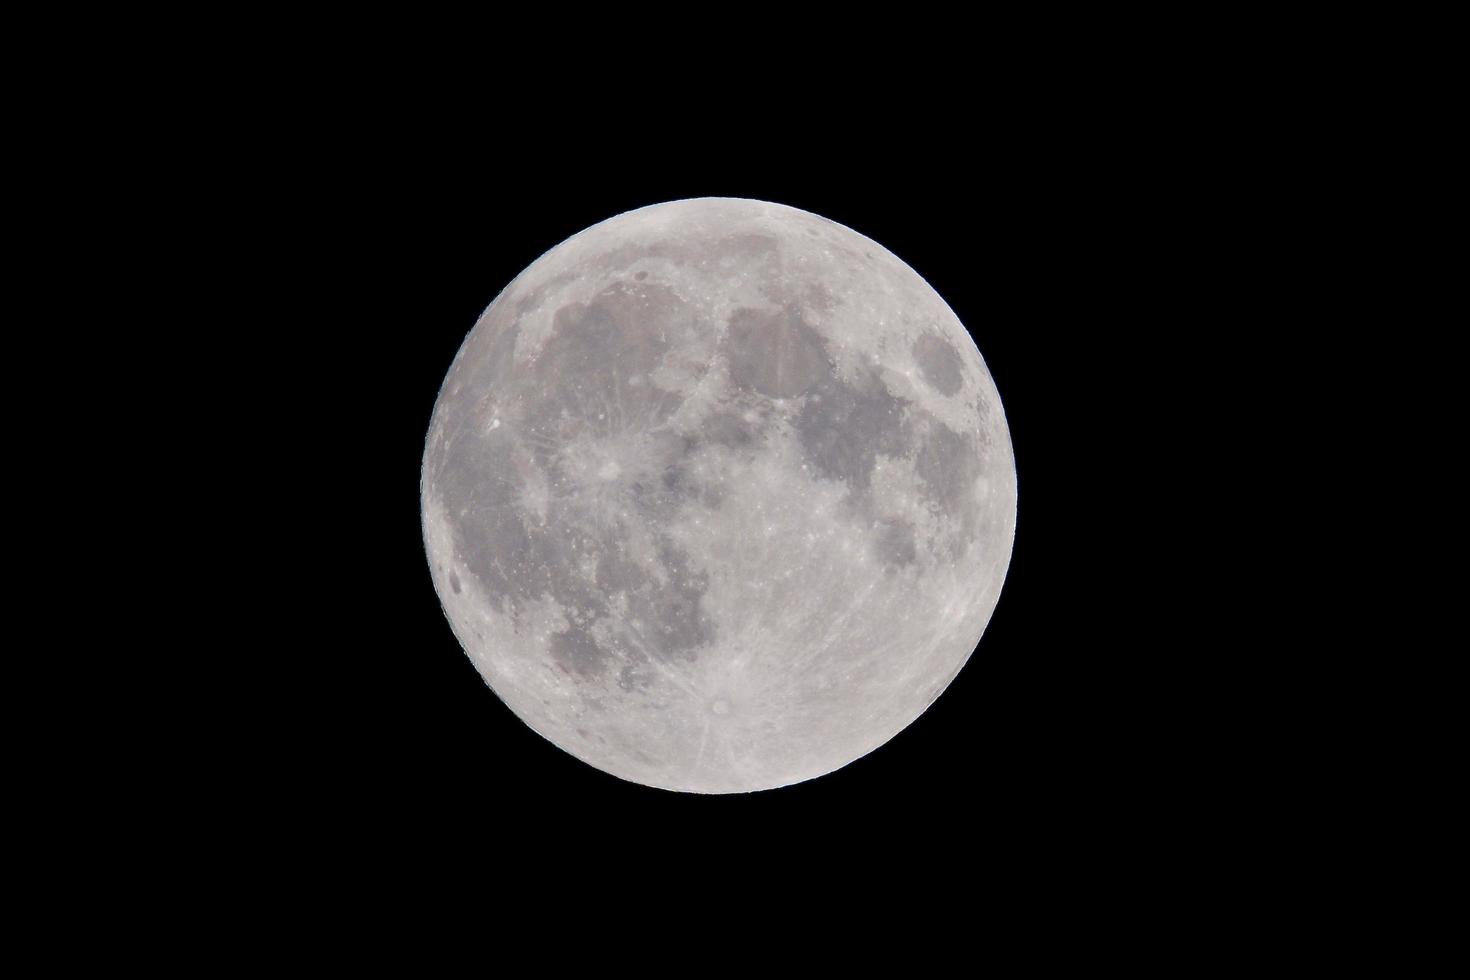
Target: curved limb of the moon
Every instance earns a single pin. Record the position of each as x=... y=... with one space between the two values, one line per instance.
x=718 y=495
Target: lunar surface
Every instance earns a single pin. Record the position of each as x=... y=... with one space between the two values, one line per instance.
x=718 y=495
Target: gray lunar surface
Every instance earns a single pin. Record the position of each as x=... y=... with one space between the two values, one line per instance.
x=718 y=495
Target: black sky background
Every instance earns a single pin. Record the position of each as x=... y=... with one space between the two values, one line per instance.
x=1061 y=248
x=294 y=237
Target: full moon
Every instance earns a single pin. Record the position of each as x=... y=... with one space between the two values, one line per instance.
x=718 y=495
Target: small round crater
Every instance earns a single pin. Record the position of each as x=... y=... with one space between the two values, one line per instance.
x=720 y=706
x=641 y=276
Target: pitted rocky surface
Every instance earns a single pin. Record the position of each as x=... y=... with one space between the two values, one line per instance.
x=718 y=495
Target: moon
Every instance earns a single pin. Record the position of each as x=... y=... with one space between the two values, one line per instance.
x=718 y=495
